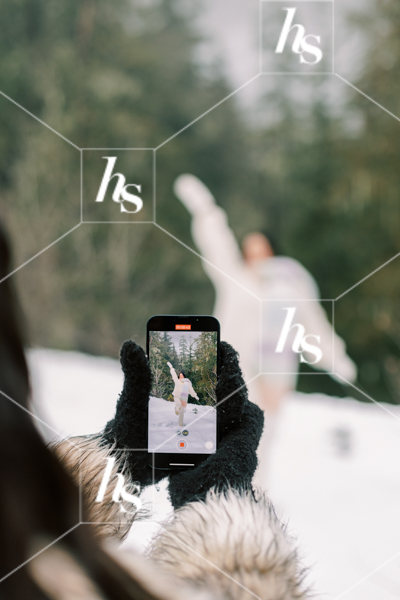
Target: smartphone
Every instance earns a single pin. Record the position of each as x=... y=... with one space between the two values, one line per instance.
x=183 y=353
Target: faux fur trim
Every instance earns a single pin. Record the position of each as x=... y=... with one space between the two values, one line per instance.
x=85 y=459
x=234 y=545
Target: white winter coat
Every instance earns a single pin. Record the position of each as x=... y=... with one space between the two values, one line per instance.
x=179 y=384
x=251 y=305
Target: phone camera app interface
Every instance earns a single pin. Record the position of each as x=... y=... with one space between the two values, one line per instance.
x=182 y=407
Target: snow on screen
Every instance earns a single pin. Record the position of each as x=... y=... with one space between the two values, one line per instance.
x=182 y=413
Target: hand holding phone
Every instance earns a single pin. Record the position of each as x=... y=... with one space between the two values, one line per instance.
x=240 y=425
x=128 y=428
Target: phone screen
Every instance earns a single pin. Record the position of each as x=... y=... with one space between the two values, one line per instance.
x=182 y=407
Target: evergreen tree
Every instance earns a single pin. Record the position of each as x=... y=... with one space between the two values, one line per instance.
x=174 y=358
x=124 y=76
x=205 y=369
x=157 y=364
x=370 y=314
x=183 y=354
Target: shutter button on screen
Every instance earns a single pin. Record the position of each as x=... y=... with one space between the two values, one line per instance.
x=181 y=444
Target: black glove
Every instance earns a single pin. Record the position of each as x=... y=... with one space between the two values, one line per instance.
x=128 y=429
x=240 y=425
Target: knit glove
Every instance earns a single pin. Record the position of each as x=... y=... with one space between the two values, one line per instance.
x=240 y=424
x=128 y=428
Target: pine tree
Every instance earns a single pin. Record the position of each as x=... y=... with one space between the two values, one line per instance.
x=123 y=75
x=205 y=359
x=183 y=353
x=174 y=358
x=157 y=365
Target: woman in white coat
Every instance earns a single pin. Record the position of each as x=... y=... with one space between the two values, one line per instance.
x=268 y=307
x=182 y=390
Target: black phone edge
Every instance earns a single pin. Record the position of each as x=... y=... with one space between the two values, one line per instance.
x=163 y=459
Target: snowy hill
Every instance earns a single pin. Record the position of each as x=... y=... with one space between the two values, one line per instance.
x=198 y=432
x=335 y=476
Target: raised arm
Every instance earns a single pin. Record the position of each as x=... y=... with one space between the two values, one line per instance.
x=173 y=372
x=210 y=229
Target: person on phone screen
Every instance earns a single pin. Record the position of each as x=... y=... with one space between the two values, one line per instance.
x=183 y=388
x=243 y=276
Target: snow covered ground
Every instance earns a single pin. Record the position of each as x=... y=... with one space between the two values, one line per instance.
x=335 y=474
x=165 y=435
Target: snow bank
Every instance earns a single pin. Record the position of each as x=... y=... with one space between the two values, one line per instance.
x=334 y=478
x=165 y=433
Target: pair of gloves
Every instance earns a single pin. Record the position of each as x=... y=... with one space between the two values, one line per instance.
x=240 y=425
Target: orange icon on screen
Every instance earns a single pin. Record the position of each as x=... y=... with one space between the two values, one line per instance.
x=181 y=445
x=183 y=327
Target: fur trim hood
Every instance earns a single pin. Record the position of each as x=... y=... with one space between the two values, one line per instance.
x=234 y=545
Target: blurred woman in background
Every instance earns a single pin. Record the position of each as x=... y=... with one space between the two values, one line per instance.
x=254 y=288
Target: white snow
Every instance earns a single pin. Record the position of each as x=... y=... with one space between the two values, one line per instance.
x=74 y=393
x=335 y=472
x=165 y=433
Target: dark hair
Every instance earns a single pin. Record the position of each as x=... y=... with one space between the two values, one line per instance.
x=273 y=241
x=181 y=372
x=11 y=337
x=39 y=502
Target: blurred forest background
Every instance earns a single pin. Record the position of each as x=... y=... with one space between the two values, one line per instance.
x=196 y=357
x=324 y=176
